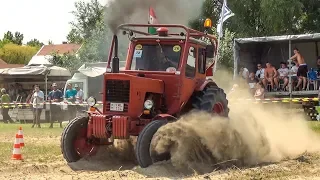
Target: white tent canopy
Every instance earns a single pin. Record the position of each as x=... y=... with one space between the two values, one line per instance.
x=38 y=70
x=40 y=60
x=96 y=69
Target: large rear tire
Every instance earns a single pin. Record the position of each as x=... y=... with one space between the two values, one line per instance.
x=74 y=142
x=143 y=153
x=212 y=99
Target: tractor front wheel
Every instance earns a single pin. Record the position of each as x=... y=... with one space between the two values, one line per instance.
x=74 y=142
x=144 y=154
x=213 y=100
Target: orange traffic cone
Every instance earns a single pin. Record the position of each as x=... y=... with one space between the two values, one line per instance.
x=21 y=140
x=16 y=153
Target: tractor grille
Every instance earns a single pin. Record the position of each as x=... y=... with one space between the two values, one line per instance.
x=118 y=91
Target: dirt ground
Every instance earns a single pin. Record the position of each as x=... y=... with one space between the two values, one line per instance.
x=257 y=143
x=305 y=167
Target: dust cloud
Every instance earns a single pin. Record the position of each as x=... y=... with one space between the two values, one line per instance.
x=254 y=134
x=137 y=11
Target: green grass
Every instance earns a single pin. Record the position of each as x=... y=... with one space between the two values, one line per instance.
x=41 y=144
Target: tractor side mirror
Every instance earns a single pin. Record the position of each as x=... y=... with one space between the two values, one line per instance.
x=210 y=51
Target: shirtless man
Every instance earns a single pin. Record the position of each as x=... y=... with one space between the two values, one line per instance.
x=302 y=70
x=270 y=74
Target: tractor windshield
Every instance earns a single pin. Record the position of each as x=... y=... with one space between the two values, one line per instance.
x=157 y=57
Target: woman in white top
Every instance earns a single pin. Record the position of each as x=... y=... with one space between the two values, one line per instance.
x=37 y=102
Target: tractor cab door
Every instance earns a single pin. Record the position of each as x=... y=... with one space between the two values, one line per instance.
x=194 y=75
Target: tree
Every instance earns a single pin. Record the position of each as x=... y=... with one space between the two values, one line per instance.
x=50 y=42
x=15 y=54
x=18 y=38
x=265 y=17
x=68 y=61
x=74 y=37
x=35 y=43
x=87 y=16
x=8 y=36
x=225 y=58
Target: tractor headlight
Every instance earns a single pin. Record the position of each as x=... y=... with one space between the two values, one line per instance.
x=91 y=101
x=148 y=104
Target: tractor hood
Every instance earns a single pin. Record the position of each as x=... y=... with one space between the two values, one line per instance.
x=137 y=83
x=129 y=92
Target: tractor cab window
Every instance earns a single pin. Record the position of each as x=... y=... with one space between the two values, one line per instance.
x=191 y=62
x=202 y=61
x=159 y=57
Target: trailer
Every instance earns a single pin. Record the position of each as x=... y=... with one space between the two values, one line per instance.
x=248 y=52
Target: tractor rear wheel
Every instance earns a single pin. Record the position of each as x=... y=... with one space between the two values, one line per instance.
x=143 y=148
x=74 y=142
x=213 y=100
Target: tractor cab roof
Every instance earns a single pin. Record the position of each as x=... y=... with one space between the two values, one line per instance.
x=170 y=37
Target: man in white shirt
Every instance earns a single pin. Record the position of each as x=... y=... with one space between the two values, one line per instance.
x=79 y=95
x=37 y=102
x=79 y=98
x=283 y=75
x=260 y=72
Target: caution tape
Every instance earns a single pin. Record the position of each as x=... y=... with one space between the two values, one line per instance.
x=21 y=105
x=277 y=100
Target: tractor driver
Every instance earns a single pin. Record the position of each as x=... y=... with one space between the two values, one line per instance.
x=165 y=58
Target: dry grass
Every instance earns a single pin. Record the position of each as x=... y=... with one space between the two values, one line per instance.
x=42 y=151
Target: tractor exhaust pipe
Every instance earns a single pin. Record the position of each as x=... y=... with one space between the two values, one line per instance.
x=115 y=59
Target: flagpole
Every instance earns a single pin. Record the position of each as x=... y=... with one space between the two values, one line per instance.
x=217 y=56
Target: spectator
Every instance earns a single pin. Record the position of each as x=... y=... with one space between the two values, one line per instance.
x=55 y=111
x=270 y=73
x=302 y=70
x=252 y=81
x=260 y=72
x=12 y=92
x=293 y=71
x=70 y=97
x=37 y=101
x=70 y=93
x=283 y=75
x=318 y=65
x=29 y=97
x=260 y=91
x=5 y=98
x=244 y=73
x=79 y=95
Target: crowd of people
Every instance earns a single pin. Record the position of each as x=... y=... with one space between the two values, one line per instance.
x=36 y=98
x=270 y=79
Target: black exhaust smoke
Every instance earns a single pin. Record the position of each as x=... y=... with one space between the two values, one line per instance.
x=115 y=59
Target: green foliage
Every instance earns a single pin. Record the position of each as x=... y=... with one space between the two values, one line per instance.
x=225 y=58
x=15 y=54
x=35 y=43
x=88 y=15
x=69 y=61
x=74 y=37
x=17 y=38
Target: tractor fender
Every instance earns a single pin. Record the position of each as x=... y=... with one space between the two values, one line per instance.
x=205 y=83
x=167 y=117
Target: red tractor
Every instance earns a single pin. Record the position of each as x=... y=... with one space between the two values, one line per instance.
x=165 y=77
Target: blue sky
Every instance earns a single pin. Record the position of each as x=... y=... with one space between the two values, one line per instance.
x=42 y=19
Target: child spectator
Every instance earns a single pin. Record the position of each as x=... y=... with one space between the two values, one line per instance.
x=252 y=81
x=259 y=94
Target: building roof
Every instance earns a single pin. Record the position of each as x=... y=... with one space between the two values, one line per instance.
x=58 y=48
x=4 y=65
x=2 y=62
